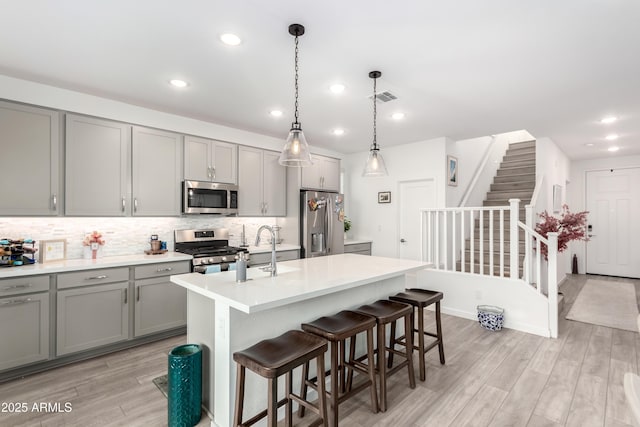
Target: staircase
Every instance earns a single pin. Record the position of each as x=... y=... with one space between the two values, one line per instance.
x=515 y=179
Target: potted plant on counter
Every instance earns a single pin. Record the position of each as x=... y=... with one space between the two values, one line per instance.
x=347 y=226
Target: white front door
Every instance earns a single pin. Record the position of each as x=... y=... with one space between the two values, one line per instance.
x=414 y=195
x=613 y=202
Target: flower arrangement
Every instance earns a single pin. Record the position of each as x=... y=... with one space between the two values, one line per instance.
x=93 y=240
x=570 y=226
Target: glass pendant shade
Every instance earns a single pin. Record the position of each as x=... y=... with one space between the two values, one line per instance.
x=296 y=151
x=374 y=165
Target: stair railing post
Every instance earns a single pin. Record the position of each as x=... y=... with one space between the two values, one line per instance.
x=528 y=258
x=513 y=237
x=552 y=283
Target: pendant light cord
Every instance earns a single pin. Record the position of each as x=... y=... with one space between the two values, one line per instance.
x=375 y=144
x=296 y=80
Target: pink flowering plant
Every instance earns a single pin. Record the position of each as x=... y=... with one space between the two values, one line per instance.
x=569 y=226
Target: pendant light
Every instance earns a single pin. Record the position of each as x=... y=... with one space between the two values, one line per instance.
x=375 y=163
x=296 y=151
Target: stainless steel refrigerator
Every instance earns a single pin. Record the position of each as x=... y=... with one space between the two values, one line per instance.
x=321 y=223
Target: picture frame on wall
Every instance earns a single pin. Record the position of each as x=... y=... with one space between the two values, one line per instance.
x=384 y=197
x=452 y=171
x=557 y=198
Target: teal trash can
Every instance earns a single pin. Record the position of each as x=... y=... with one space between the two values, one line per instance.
x=184 y=389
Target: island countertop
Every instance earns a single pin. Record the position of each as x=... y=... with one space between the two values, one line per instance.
x=297 y=280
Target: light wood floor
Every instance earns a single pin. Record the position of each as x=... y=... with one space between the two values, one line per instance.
x=505 y=378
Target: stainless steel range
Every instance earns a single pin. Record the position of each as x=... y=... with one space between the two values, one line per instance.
x=209 y=248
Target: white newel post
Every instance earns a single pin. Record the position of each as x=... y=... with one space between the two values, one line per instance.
x=552 y=287
x=513 y=237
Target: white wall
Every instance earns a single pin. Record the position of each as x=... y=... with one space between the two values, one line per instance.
x=554 y=165
x=371 y=220
x=577 y=194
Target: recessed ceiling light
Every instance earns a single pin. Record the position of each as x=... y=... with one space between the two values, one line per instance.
x=230 y=39
x=609 y=119
x=611 y=137
x=178 y=83
x=613 y=149
x=275 y=113
x=338 y=132
x=337 y=88
x=397 y=116
x=589 y=144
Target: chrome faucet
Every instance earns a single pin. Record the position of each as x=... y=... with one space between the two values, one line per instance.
x=272 y=268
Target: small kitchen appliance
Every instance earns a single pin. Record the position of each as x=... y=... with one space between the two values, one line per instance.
x=209 y=247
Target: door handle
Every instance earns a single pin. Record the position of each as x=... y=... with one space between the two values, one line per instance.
x=403 y=241
x=592 y=235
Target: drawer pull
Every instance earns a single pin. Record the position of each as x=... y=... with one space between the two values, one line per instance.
x=102 y=276
x=160 y=270
x=16 y=301
x=9 y=288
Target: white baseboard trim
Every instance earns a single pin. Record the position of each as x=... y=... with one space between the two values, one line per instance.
x=518 y=326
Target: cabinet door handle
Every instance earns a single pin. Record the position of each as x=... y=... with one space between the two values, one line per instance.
x=54 y=201
x=16 y=301
x=102 y=276
x=126 y=291
x=266 y=207
x=123 y=204
x=135 y=205
x=138 y=293
x=8 y=288
x=159 y=270
x=209 y=171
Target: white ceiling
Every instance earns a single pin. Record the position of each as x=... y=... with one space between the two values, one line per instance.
x=460 y=69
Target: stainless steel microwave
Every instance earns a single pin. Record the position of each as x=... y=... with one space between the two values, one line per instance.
x=200 y=197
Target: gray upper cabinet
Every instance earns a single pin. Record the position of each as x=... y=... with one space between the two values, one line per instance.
x=30 y=143
x=97 y=167
x=209 y=160
x=156 y=172
x=324 y=174
x=262 y=183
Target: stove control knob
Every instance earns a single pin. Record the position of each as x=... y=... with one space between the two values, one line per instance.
x=224 y=258
x=210 y=261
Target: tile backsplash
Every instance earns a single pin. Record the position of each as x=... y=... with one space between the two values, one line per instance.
x=124 y=236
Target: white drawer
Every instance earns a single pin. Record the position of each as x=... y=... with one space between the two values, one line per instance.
x=93 y=277
x=162 y=269
x=24 y=285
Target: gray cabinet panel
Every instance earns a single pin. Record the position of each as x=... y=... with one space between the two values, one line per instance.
x=23 y=285
x=24 y=330
x=163 y=269
x=92 y=316
x=263 y=258
x=92 y=277
x=160 y=305
x=262 y=183
x=358 y=248
x=324 y=174
x=97 y=169
x=156 y=172
x=250 y=173
x=29 y=160
x=209 y=160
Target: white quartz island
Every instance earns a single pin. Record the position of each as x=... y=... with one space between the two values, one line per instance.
x=225 y=316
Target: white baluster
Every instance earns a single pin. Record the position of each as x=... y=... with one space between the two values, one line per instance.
x=513 y=236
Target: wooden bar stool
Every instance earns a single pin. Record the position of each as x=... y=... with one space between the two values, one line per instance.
x=270 y=359
x=419 y=299
x=388 y=312
x=337 y=329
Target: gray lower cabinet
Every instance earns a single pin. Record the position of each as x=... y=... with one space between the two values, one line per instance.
x=358 y=248
x=24 y=329
x=92 y=316
x=159 y=305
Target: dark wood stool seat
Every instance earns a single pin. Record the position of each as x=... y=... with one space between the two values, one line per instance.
x=419 y=299
x=272 y=358
x=339 y=328
x=388 y=312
